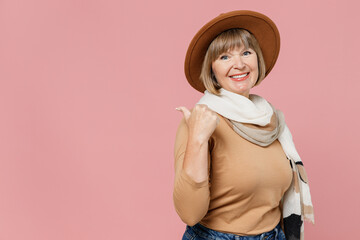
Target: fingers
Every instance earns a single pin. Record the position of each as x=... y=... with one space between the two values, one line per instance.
x=205 y=108
x=185 y=112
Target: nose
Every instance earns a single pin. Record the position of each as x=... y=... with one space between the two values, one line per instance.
x=238 y=62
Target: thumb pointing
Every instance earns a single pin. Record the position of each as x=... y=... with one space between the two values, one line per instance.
x=185 y=112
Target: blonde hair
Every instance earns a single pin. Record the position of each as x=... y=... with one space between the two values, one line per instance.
x=228 y=40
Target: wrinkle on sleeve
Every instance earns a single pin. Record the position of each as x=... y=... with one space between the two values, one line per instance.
x=191 y=199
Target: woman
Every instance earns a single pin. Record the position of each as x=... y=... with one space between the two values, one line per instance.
x=238 y=175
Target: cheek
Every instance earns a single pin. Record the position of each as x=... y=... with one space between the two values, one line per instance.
x=216 y=70
x=255 y=67
x=257 y=71
x=220 y=69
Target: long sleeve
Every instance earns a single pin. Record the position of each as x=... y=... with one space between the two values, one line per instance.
x=191 y=199
x=244 y=187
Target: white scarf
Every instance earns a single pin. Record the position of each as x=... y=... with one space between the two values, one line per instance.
x=297 y=205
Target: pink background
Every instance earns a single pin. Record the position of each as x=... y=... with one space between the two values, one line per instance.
x=88 y=91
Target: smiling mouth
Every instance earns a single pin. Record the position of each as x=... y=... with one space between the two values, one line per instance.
x=240 y=77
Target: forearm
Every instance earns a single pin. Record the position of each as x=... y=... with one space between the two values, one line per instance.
x=191 y=194
x=201 y=123
x=191 y=199
x=191 y=190
x=196 y=160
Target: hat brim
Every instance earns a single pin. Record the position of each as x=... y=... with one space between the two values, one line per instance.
x=262 y=27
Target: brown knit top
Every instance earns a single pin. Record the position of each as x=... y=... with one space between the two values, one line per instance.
x=243 y=192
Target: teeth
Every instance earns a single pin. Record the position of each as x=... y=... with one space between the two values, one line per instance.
x=239 y=76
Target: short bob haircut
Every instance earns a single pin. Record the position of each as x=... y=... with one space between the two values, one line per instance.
x=228 y=40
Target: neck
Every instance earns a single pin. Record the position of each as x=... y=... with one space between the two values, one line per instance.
x=227 y=92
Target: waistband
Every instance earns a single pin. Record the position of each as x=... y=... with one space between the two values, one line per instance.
x=210 y=234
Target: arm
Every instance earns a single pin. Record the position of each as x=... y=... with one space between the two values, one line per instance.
x=191 y=188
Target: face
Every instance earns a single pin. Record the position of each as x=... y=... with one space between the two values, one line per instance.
x=237 y=70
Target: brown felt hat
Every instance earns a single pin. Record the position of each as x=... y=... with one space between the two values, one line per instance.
x=264 y=30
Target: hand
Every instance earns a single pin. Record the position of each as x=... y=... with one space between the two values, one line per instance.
x=201 y=122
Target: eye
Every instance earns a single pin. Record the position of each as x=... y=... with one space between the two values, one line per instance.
x=224 y=57
x=247 y=53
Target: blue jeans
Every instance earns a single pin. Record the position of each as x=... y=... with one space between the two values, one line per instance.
x=199 y=232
